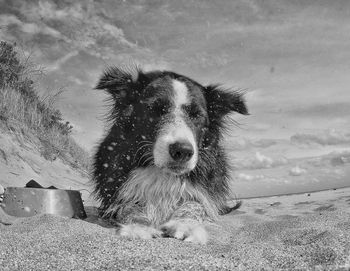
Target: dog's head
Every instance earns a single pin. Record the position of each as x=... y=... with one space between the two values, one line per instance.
x=168 y=118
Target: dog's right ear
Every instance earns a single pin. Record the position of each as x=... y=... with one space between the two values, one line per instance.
x=122 y=82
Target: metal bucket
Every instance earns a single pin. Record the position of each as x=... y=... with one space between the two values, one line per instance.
x=24 y=202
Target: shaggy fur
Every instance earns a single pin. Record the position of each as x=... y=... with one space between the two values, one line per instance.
x=151 y=195
x=134 y=176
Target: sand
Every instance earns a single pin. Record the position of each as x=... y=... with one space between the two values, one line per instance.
x=286 y=232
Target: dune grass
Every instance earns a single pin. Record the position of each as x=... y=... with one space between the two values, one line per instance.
x=23 y=110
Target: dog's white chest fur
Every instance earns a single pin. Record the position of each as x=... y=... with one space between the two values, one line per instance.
x=157 y=194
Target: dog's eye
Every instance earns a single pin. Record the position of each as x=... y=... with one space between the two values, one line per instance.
x=193 y=111
x=160 y=107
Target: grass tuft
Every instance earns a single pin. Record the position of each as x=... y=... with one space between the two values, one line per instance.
x=24 y=111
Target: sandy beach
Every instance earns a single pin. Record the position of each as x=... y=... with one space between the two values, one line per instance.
x=305 y=231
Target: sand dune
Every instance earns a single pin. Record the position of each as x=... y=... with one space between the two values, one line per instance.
x=297 y=231
x=21 y=161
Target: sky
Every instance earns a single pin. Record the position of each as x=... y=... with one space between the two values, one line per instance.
x=291 y=56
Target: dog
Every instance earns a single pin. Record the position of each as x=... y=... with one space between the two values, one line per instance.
x=161 y=169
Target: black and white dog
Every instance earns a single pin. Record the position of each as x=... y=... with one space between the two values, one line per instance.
x=160 y=170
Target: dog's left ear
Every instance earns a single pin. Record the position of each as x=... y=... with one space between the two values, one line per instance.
x=114 y=79
x=221 y=102
x=123 y=83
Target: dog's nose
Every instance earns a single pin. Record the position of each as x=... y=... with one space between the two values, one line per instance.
x=181 y=151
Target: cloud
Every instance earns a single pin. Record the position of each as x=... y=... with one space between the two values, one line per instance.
x=333 y=110
x=244 y=177
x=77 y=26
x=56 y=65
x=80 y=22
x=7 y=20
x=260 y=161
x=245 y=143
x=336 y=158
x=247 y=177
x=339 y=159
x=33 y=28
x=329 y=137
x=297 y=171
x=48 y=9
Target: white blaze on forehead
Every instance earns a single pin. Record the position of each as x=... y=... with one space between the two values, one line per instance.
x=176 y=130
x=180 y=93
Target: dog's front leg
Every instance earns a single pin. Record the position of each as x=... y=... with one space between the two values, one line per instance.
x=187 y=224
x=138 y=231
x=136 y=226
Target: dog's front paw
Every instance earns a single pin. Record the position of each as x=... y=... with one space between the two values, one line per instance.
x=190 y=231
x=135 y=231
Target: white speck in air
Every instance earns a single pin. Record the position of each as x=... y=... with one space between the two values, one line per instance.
x=110 y=180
